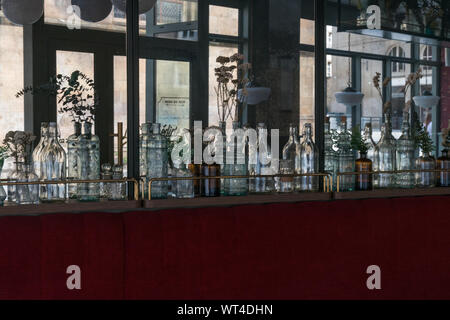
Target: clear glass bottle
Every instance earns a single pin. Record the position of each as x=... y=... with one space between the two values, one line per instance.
x=251 y=157
x=330 y=155
x=88 y=165
x=363 y=181
x=426 y=179
x=53 y=168
x=443 y=163
x=38 y=150
x=286 y=184
x=346 y=158
x=12 y=177
x=235 y=164
x=386 y=156
x=118 y=189
x=372 y=151
x=105 y=187
x=157 y=163
x=73 y=143
x=210 y=187
x=405 y=155
x=144 y=143
x=184 y=188
x=27 y=194
x=3 y=194
x=291 y=151
x=309 y=155
x=264 y=162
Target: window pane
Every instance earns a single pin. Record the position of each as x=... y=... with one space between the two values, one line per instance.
x=307 y=88
x=11 y=81
x=372 y=111
x=339 y=75
x=175 y=11
x=66 y=63
x=215 y=50
x=223 y=20
x=398 y=98
x=427 y=85
x=307 y=34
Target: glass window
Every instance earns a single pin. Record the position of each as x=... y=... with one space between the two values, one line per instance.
x=66 y=63
x=217 y=49
x=398 y=98
x=175 y=11
x=372 y=111
x=224 y=20
x=307 y=34
x=307 y=103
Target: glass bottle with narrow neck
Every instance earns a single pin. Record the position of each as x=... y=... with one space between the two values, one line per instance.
x=89 y=165
x=73 y=144
x=346 y=159
x=363 y=180
x=53 y=159
x=157 y=162
x=309 y=156
x=371 y=152
x=405 y=154
x=386 y=156
x=291 y=151
x=38 y=150
x=443 y=163
x=330 y=156
x=144 y=143
x=263 y=162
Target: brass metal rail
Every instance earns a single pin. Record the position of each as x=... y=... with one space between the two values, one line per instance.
x=327 y=180
x=68 y=181
x=339 y=174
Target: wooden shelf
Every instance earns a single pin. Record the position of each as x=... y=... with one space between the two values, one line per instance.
x=390 y=193
x=235 y=201
x=69 y=207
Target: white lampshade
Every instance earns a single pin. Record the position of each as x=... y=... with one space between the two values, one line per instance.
x=349 y=98
x=255 y=95
x=93 y=11
x=23 y=11
x=426 y=101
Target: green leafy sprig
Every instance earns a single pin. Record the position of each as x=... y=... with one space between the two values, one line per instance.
x=358 y=142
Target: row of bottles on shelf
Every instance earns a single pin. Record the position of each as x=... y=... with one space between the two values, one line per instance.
x=297 y=158
x=388 y=155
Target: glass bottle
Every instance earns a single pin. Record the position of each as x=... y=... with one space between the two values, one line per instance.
x=291 y=151
x=3 y=194
x=144 y=143
x=13 y=175
x=425 y=179
x=184 y=188
x=105 y=187
x=38 y=150
x=443 y=163
x=27 y=194
x=330 y=155
x=53 y=168
x=251 y=156
x=88 y=165
x=73 y=143
x=157 y=162
x=386 y=155
x=286 y=184
x=235 y=164
x=118 y=189
x=363 y=181
x=346 y=158
x=405 y=154
x=372 y=151
x=210 y=187
x=263 y=162
x=195 y=170
x=309 y=155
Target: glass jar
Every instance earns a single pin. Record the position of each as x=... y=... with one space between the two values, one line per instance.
x=53 y=168
x=425 y=179
x=363 y=181
x=443 y=163
x=144 y=143
x=157 y=162
x=210 y=187
x=73 y=143
x=386 y=156
x=38 y=150
x=330 y=155
x=105 y=187
x=291 y=151
x=27 y=194
x=184 y=188
x=346 y=158
x=286 y=184
x=263 y=163
x=118 y=189
x=88 y=165
x=235 y=164
x=309 y=155
x=405 y=155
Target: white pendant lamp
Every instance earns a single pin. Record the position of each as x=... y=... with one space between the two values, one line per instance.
x=23 y=11
x=144 y=5
x=349 y=97
x=427 y=100
x=93 y=11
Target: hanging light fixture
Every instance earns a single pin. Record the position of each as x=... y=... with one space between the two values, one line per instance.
x=144 y=5
x=93 y=11
x=23 y=11
x=427 y=100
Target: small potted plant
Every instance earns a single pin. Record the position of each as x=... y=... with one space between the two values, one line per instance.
x=363 y=164
x=426 y=161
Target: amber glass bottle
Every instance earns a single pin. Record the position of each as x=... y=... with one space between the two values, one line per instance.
x=210 y=187
x=363 y=181
x=196 y=172
x=443 y=163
